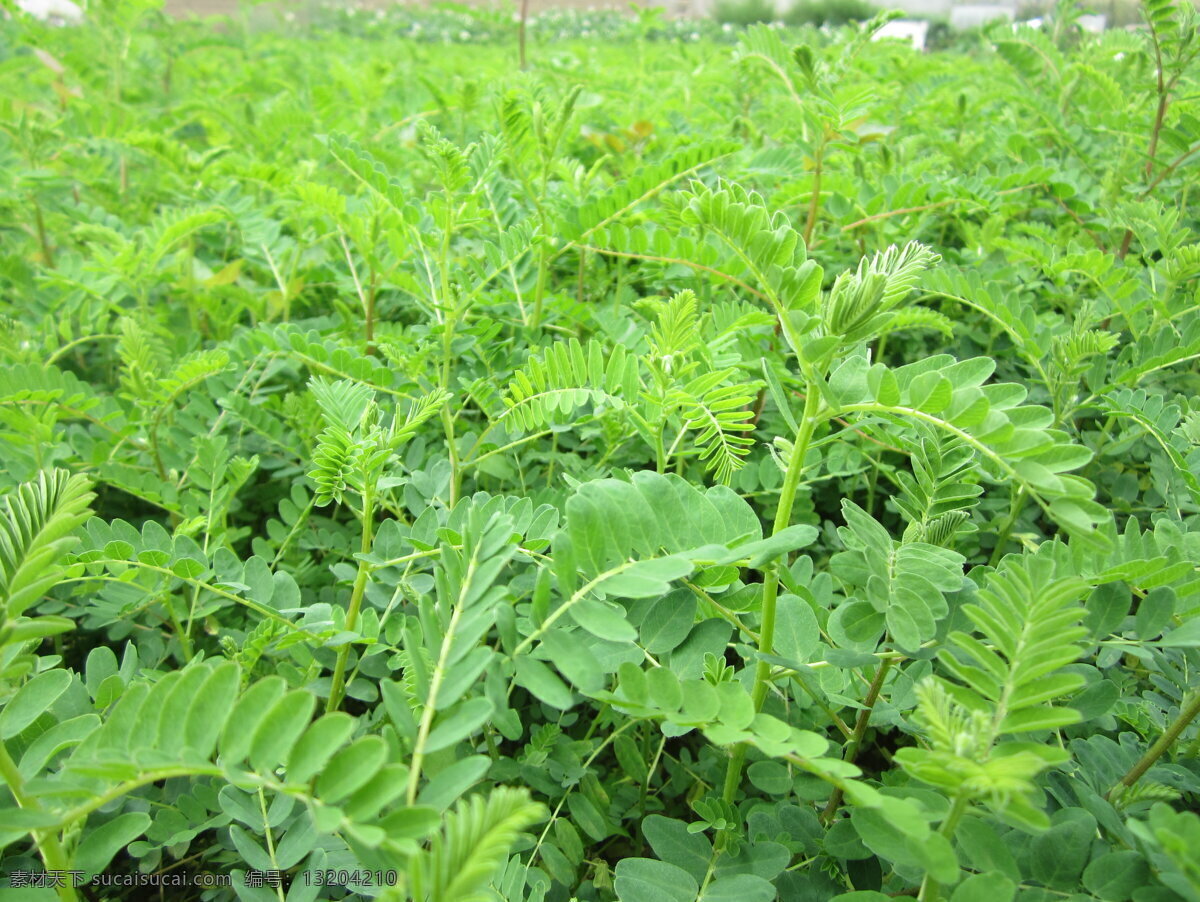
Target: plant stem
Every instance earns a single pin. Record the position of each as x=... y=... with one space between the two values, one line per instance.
x=427 y=715
x=860 y=730
x=586 y=764
x=43 y=239
x=513 y=444
x=1186 y=715
x=814 y=200
x=448 y=327
x=452 y=449
x=262 y=807
x=579 y=279
x=281 y=283
x=185 y=640
x=49 y=847
x=712 y=866
x=338 y=683
x=1015 y=508
x=369 y=324
x=931 y=889
x=1160 y=114
x=539 y=291
x=783 y=518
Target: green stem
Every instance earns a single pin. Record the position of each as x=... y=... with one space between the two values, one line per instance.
x=262 y=807
x=567 y=605
x=876 y=460
x=369 y=324
x=452 y=447
x=1186 y=715
x=95 y=803
x=301 y=523
x=660 y=447
x=814 y=201
x=452 y=311
x=431 y=703
x=1105 y=437
x=43 y=238
x=712 y=867
x=301 y=793
x=338 y=684
x=185 y=640
x=1163 y=91
x=53 y=855
x=1015 y=508
x=586 y=764
x=860 y=730
x=720 y=610
x=783 y=518
x=931 y=890
x=540 y=289
x=521 y=441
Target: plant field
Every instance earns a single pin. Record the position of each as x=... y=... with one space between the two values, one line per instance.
x=707 y=464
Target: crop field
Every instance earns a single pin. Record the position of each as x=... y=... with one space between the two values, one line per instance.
x=705 y=464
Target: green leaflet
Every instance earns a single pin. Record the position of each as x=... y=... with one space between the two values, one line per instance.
x=906 y=582
x=1014 y=440
x=610 y=521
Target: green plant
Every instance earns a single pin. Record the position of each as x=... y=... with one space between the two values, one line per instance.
x=762 y=466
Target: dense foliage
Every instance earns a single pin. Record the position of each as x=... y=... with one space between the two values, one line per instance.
x=677 y=471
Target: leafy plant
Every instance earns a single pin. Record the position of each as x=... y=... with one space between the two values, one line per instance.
x=708 y=464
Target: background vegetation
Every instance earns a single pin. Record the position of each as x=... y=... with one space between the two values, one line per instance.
x=757 y=464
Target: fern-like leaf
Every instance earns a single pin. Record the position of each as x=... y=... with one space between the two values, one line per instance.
x=422 y=409
x=676 y=331
x=36 y=523
x=342 y=402
x=640 y=187
x=765 y=243
x=721 y=415
x=360 y=163
x=473 y=842
x=1073 y=352
x=565 y=377
x=1161 y=421
x=190 y=372
x=1028 y=625
x=939 y=484
x=175 y=225
x=861 y=304
x=1029 y=618
x=1183 y=263
x=335 y=462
